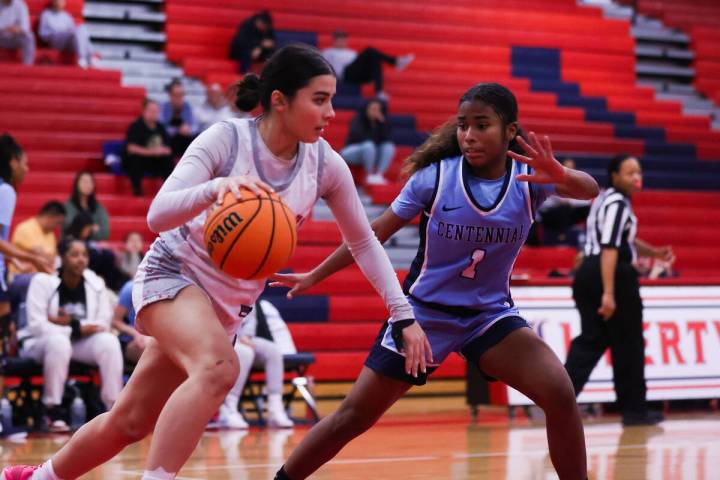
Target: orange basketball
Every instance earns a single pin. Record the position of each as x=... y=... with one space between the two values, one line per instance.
x=250 y=238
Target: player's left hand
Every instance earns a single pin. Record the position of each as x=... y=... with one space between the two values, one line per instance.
x=541 y=159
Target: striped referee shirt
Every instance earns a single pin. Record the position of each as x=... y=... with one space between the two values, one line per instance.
x=612 y=224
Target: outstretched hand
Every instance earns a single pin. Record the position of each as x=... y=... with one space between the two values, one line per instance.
x=541 y=159
x=296 y=282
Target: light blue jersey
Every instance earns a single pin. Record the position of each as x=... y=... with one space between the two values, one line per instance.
x=7 y=208
x=471 y=232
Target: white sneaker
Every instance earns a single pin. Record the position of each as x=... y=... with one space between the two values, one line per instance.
x=232 y=419
x=375 y=179
x=277 y=417
x=58 y=426
x=403 y=61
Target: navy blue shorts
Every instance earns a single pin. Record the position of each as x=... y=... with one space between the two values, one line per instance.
x=470 y=336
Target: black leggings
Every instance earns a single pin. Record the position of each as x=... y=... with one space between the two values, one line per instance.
x=622 y=333
x=367 y=67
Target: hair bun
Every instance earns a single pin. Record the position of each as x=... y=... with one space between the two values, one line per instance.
x=248 y=92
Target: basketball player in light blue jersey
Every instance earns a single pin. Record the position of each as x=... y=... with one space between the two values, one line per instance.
x=477 y=184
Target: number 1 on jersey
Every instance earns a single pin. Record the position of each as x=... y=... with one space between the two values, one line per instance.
x=471 y=270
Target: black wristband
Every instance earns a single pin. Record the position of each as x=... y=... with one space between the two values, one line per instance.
x=76 y=331
x=396 y=329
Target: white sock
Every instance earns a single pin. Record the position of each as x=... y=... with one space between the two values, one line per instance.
x=158 y=474
x=45 y=472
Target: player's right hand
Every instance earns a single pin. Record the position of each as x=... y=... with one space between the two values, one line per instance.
x=234 y=184
x=296 y=282
x=416 y=347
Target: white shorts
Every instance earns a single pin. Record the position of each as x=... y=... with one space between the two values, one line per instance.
x=161 y=276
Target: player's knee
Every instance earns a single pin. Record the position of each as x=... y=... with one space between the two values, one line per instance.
x=557 y=394
x=352 y=421
x=128 y=428
x=218 y=374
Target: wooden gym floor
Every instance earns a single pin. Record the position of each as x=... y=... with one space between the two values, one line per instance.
x=411 y=444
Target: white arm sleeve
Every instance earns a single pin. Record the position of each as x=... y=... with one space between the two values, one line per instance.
x=339 y=190
x=192 y=186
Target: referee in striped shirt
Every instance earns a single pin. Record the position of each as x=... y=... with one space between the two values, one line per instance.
x=607 y=294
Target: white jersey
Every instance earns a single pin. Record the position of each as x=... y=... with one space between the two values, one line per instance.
x=233 y=148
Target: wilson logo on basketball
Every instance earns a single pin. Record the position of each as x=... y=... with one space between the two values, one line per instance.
x=222 y=230
x=250 y=237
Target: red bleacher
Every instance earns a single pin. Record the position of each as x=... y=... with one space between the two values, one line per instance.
x=63 y=114
x=700 y=19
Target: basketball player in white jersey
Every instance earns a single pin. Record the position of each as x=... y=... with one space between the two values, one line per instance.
x=188 y=306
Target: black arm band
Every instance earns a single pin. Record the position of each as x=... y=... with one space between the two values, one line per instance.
x=76 y=331
x=396 y=329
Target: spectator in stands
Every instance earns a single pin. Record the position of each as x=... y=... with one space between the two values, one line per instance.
x=254 y=41
x=68 y=318
x=368 y=142
x=132 y=342
x=214 y=109
x=132 y=254
x=36 y=235
x=102 y=260
x=178 y=118
x=15 y=31
x=606 y=291
x=256 y=346
x=58 y=29
x=364 y=67
x=147 y=148
x=83 y=199
x=558 y=215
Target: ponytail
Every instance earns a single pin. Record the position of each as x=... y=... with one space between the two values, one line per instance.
x=248 y=93
x=441 y=144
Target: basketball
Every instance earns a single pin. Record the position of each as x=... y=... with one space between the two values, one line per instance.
x=250 y=238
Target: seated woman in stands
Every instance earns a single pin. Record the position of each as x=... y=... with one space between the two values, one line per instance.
x=368 y=142
x=83 y=199
x=261 y=341
x=59 y=31
x=68 y=318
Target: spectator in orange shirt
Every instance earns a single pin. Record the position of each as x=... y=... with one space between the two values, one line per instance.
x=37 y=235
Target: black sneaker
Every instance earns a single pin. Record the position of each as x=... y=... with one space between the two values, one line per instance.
x=56 y=420
x=650 y=417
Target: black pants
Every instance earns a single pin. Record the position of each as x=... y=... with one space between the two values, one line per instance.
x=179 y=143
x=137 y=165
x=563 y=217
x=622 y=332
x=367 y=67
